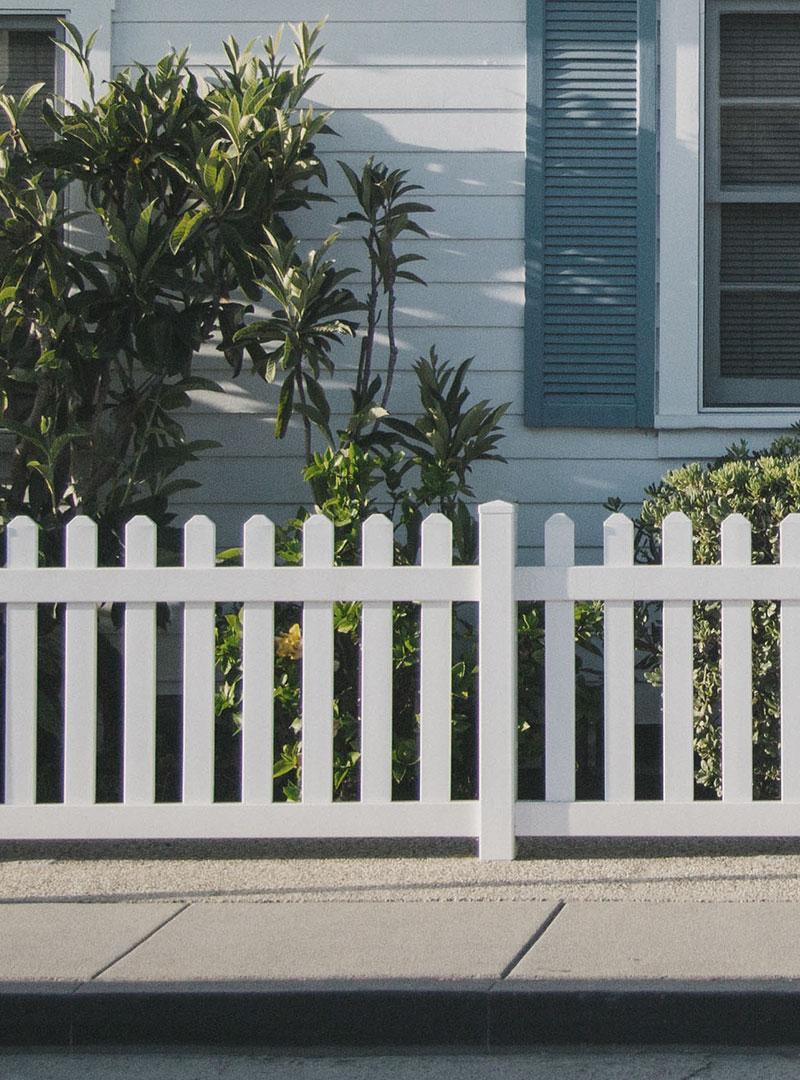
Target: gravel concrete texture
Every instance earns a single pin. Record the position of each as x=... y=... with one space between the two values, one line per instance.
x=597 y=1063
x=267 y=943
x=70 y=943
x=684 y=943
x=368 y=870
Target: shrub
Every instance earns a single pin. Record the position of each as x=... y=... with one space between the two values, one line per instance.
x=764 y=486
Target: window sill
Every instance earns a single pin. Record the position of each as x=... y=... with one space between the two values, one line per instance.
x=729 y=419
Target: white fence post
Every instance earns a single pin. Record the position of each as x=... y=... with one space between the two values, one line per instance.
x=736 y=671
x=139 y=674
x=436 y=666
x=559 y=669
x=618 y=669
x=678 y=694
x=198 y=670
x=22 y=539
x=497 y=696
x=80 y=674
x=258 y=670
x=790 y=668
x=377 y=551
x=317 y=679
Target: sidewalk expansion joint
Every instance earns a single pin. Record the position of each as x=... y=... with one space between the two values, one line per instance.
x=135 y=946
x=526 y=948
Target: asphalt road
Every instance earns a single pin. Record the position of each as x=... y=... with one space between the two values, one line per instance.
x=578 y=1063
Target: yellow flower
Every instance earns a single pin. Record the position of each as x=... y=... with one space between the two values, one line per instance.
x=290 y=644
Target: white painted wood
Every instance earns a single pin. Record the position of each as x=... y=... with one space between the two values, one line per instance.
x=377 y=551
x=454 y=218
x=80 y=673
x=559 y=670
x=399 y=583
x=377 y=132
x=497 y=689
x=446 y=172
x=436 y=664
x=226 y=820
x=680 y=207
x=317 y=678
x=279 y=585
x=420 y=88
x=139 y=674
x=736 y=672
x=677 y=699
x=618 y=660
x=790 y=668
x=272 y=14
x=22 y=550
x=198 y=671
x=388 y=43
x=655 y=818
x=258 y=670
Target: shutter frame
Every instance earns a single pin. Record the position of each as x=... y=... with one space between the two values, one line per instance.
x=590 y=357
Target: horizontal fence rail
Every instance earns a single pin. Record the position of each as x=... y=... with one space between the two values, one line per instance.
x=484 y=600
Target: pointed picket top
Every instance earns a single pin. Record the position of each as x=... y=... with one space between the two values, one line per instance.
x=377 y=541
x=437 y=540
x=736 y=541
x=140 y=542
x=259 y=542
x=790 y=540
x=676 y=540
x=618 y=540
x=559 y=541
x=497 y=506
x=22 y=543
x=199 y=541
x=318 y=541
x=81 y=543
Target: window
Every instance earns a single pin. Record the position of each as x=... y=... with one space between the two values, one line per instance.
x=28 y=55
x=751 y=338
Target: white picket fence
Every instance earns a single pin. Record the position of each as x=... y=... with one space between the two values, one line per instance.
x=495 y=585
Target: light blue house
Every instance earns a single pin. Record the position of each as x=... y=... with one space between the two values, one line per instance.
x=617 y=195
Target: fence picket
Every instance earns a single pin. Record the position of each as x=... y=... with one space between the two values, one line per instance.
x=139 y=674
x=80 y=674
x=258 y=670
x=317 y=678
x=497 y=687
x=22 y=537
x=377 y=550
x=618 y=669
x=790 y=667
x=559 y=670
x=436 y=663
x=678 y=715
x=198 y=671
x=736 y=672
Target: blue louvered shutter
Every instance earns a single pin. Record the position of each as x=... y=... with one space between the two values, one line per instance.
x=590 y=213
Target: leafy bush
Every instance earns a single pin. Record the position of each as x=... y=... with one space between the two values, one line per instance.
x=188 y=190
x=764 y=486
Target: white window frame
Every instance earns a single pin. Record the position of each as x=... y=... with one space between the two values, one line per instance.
x=680 y=263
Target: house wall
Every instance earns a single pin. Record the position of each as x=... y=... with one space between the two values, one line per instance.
x=437 y=88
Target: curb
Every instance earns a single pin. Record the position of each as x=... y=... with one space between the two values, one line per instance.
x=494 y=1018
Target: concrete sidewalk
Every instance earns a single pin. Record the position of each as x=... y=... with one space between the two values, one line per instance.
x=469 y=959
